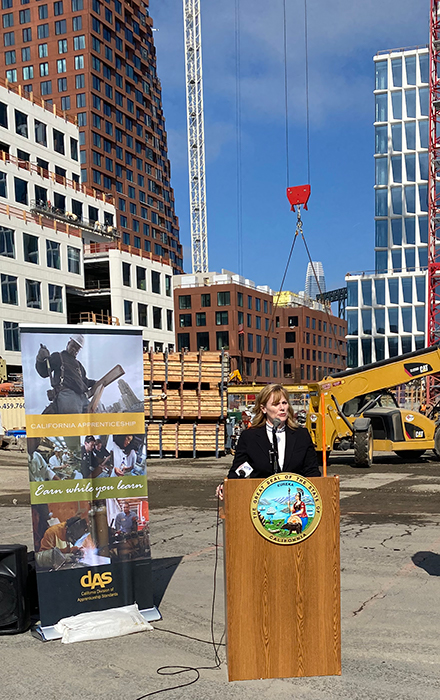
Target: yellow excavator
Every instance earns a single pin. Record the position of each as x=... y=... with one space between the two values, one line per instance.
x=355 y=409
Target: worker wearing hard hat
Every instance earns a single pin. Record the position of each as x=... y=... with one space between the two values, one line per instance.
x=67 y=376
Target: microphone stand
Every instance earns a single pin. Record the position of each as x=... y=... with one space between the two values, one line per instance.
x=276 y=462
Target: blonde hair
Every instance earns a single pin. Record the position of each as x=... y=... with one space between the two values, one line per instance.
x=277 y=391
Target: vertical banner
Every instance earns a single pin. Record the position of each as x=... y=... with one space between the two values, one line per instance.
x=84 y=389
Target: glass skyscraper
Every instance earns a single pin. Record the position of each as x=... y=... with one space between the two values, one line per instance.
x=386 y=310
x=315 y=280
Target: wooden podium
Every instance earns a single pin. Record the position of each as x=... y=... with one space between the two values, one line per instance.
x=282 y=601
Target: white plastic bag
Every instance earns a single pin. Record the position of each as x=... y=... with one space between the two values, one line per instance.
x=102 y=624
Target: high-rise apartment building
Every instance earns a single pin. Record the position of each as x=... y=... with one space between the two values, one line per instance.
x=386 y=310
x=61 y=257
x=96 y=60
x=315 y=280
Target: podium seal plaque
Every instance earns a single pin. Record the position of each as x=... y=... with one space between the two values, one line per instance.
x=286 y=508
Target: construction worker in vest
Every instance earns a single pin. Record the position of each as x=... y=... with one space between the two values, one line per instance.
x=68 y=377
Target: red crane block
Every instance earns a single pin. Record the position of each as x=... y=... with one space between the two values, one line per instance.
x=298 y=195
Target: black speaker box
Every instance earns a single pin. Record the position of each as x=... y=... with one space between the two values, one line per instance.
x=14 y=599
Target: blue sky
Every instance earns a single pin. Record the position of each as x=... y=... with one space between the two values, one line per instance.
x=343 y=37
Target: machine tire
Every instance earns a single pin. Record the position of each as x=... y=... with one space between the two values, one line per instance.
x=363 y=448
x=409 y=455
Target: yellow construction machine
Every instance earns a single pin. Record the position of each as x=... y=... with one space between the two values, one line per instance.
x=355 y=409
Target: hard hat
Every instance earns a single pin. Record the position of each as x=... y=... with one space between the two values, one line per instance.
x=78 y=338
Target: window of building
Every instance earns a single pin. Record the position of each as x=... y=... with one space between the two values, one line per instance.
x=185 y=301
x=21 y=124
x=128 y=311
x=58 y=141
x=185 y=320
x=11 y=336
x=155 y=281
x=143 y=315
x=61 y=27
x=157 y=317
x=58 y=8
x=222 y=340
x=55 y=298
x=73 y=259
x=126 y=274
x=10 y=58
x=27 y=34
x=8 y=20
x=30 y=248
x=9 y=289
x=53 y=257
x=79 y=42
x=21 y=190
x=183 y=341
x=206 y=300
x=46 y=87
x=42 y=31
x=221 y=318
x=11 y=75
x=223 y=298
x=168 y=288
x=33 y=294
x=7 y=242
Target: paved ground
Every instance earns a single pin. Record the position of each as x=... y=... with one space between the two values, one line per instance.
x=390 y=568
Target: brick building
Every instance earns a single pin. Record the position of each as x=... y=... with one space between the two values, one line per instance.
x=97 y=60
x=312 y=341
x=214 y=311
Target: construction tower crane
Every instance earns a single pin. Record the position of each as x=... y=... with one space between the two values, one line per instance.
x=433 y=387
x=196 y=134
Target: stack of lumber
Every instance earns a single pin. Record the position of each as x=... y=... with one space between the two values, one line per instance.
x=179 y=437
x=183 y=385
x=181 y=388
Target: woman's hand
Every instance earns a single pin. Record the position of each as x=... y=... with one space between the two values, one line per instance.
x=219 y=492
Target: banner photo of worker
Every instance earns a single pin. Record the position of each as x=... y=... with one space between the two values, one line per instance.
x=83 y=390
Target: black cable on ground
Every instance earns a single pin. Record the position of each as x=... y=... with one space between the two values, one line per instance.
x=176 y=670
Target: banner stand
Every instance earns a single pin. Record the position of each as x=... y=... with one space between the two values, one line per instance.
x=85 y=430
x=49 y=634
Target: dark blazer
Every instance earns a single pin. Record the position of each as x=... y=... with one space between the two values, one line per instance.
x=253 y=447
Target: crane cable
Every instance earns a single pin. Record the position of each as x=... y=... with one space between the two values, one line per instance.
x=238 y=137
x=298 y=229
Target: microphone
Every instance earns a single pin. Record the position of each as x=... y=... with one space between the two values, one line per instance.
x=275 y=423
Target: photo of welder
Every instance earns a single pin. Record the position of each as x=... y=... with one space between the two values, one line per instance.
x=128 y=522
x=79 y=371
x=71 y=535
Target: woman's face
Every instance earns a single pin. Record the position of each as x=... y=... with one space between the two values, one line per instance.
x=276 y=410
x=127 y=440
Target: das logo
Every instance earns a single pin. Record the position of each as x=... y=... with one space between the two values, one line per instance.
x=101 y=580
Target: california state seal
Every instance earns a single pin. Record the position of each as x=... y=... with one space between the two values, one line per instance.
x=286 y=508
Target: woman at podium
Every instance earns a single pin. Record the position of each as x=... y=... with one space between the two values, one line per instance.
x=274 y=442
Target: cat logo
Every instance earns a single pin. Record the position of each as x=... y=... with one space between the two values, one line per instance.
x=102 y=580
